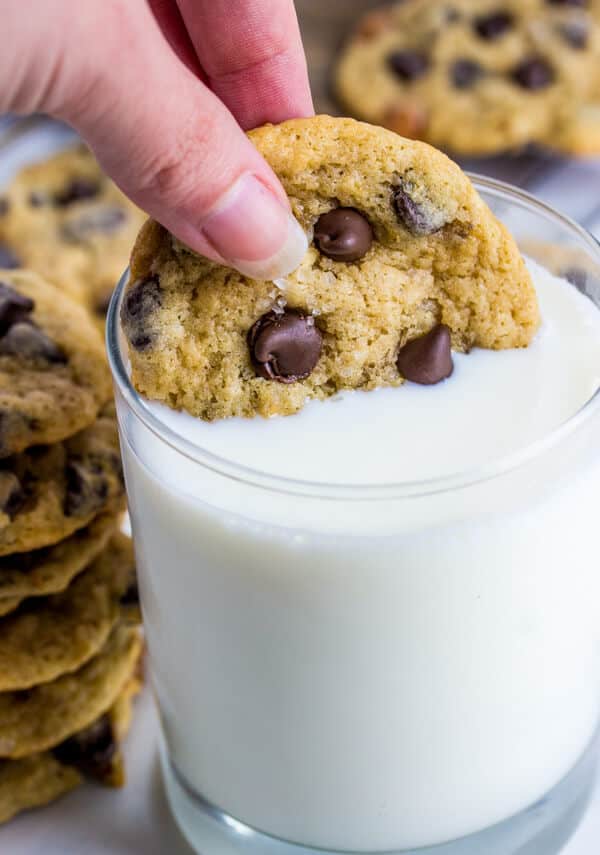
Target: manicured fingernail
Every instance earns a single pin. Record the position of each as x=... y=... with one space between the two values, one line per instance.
x=251 y=229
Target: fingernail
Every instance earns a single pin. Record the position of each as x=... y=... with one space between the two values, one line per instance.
x=254 y=232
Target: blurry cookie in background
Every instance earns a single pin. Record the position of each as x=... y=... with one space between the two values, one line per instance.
x=477 y=77
x=66 y=220
x=54 y=378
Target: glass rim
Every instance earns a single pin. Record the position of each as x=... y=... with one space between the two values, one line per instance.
x=358 y=491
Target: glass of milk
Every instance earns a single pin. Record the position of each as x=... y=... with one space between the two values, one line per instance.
x=374 y=626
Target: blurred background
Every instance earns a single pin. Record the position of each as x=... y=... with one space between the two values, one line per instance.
x=564 y=182
x=568 y=184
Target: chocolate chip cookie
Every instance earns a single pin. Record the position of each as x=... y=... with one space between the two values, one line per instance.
x=53 y=374
x=474 y=76
x=401 y=245
x=39 y=779
x=50 y=570
x=90 y=751
x=47 y=714
x=9 y=604
x=67 y=221
x=55 y=635
x=49 y=492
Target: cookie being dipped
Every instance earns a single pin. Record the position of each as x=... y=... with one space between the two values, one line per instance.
x=401 y=244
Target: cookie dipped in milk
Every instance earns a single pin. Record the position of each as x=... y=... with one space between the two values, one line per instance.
x=363 y=506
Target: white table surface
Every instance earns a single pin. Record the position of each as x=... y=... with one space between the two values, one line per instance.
x=136 y=821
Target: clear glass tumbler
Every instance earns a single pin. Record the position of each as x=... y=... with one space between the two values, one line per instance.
x=376 y=667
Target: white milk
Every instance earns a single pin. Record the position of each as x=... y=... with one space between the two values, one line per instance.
x=375 y=670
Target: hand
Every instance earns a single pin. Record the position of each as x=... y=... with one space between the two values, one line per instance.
x=161 y=89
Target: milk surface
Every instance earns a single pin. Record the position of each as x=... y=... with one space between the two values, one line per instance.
x=496 y=402
x=366 y=674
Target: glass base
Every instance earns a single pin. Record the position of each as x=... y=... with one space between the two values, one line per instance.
x=542 y=829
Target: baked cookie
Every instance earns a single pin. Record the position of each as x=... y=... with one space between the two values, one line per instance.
x=42 y=717
x=66 y=220
x=53 y=373
x=582 y=136
x=55 y=635
x=49 y=492
x=93 y=752
x=9 y=604
x=402 y=246
x=49 y=570
x=475 y=77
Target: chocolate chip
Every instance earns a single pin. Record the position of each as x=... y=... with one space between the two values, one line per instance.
x=285 y=346
x=427 y=359
x=533 y=74
x=131 y=597
x=26 y=340
x=12 y=495
x=493 y=26
x=465 y=73
x=582 y=4
x=142 y=299
x=576 y=34
x=408 y=64
x=343 y=234
x=86 y=488
x=99 y=221
x=91 y=750
x=78 y=190
x=9 y=260
x=413 y=215
x=4 y=206
x=14 y=307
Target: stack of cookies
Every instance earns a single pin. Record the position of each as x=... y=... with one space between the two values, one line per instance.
x=69 y=639
x=66 y=220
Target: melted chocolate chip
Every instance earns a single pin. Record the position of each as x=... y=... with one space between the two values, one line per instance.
x=576 y=34
x=142 y=299
x=12 y=495
x=26 y=340
x=343 y=234
x=408 y=64
x=104 y=221
x=78 y=190
x=285 y=346
x=9 y=260
x=427 y=359
x=581 y=4
x=414 y=216
x=466 y=73
x=493 y=26
x=533 y=74
x=87 y=488
x=14 y=307
x=4 y=206
x=91 y=750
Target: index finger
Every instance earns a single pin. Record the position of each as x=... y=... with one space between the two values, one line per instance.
x=252 y=54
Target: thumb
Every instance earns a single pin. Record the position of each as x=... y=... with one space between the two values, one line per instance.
x=170 y=144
